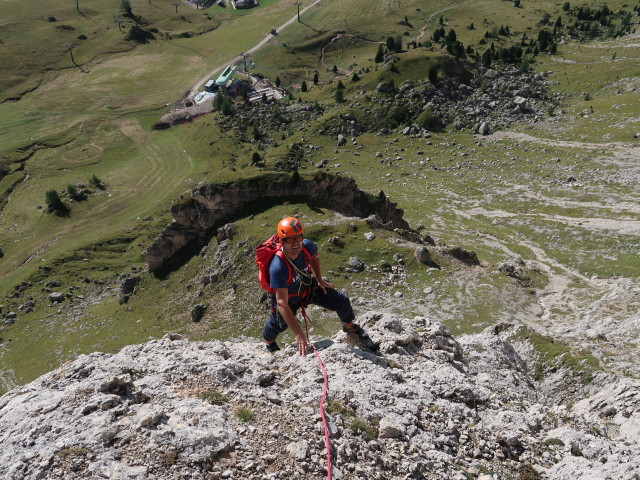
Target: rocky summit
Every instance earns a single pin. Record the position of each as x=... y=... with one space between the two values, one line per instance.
x=422 y=405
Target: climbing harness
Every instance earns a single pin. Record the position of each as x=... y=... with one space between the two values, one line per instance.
x=327 y=442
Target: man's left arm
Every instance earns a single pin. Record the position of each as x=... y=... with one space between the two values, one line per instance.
x=315 y=265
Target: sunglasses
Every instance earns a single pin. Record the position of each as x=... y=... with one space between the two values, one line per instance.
x=292 y=240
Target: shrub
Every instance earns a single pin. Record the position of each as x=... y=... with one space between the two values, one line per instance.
x=214 y=397
x=549 y=442
x=96 y=182
x=527 y=472
x=76 y=451
x=169 y=458
x=428 y=119
x=256 y=159
x=523 y=66
x=366 y=430
x=335 y=406
x=244 y=414
x=74 y=194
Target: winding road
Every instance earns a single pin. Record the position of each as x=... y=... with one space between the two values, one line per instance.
x=255 y=48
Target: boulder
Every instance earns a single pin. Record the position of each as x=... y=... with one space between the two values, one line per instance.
x=356 y=265
x=56 y=297
x=385 y=87
x=422 y=254
x=197 y=312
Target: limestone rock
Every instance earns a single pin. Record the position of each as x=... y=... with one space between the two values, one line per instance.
x=422 y=404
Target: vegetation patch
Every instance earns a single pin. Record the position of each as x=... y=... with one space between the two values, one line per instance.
x=368 y=431
x=214 y=397
x=244 y=414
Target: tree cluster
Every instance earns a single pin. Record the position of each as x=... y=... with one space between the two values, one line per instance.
x=73 y=192
x=451 y=43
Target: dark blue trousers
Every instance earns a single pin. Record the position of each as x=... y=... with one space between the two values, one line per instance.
x=332 y=300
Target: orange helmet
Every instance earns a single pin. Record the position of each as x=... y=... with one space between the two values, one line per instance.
x=289 y=227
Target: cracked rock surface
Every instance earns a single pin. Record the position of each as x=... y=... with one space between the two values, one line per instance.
x=425 y=405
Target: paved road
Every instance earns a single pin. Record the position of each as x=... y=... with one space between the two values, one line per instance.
x=255 y=48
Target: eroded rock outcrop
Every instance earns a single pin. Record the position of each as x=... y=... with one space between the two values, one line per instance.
x=213 y=204
x=425 y=406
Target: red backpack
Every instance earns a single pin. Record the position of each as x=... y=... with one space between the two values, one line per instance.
x=265 y=252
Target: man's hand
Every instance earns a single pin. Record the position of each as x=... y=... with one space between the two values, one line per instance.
x=302 y=344
x=323 y=285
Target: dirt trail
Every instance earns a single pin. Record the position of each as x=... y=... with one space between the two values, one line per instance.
x=340 y=35
x=423 y=29
x=619 y=149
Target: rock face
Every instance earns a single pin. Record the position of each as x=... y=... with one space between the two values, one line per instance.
x=425 y=406
x=215 y=204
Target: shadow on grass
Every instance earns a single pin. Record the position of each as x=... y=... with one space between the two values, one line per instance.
x=312 y=28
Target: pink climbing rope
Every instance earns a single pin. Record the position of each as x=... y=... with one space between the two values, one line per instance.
x=327 y=442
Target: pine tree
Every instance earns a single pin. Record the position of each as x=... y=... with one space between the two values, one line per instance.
x=433 y=74
x=315 y=78
x=303 y=87
x=391 y=43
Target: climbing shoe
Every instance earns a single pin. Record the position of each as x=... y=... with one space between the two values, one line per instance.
x=356 y=331
x=273 y=347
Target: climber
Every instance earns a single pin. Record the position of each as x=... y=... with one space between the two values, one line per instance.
x=295 y=279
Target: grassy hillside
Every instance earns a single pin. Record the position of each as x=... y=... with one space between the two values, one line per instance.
x=506 y=196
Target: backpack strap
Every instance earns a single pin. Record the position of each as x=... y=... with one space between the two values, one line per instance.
x=307 y=261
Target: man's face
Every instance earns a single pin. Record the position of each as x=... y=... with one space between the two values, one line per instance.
x=292 y=246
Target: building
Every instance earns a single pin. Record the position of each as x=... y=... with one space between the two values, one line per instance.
x=226 y=75
x=244 y=3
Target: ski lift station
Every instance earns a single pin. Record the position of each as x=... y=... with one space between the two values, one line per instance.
x=226 y=75
x=223 y=79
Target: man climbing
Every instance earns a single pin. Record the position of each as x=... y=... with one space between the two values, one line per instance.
x=295 y=278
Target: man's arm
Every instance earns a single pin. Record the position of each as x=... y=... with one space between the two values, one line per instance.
x=315 y=265
x=282 y=301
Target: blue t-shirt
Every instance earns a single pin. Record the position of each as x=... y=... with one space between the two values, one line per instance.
x=279 y=273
